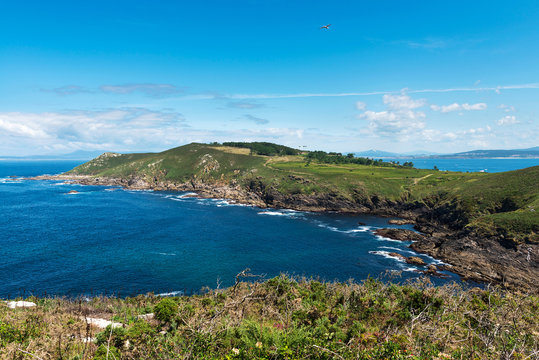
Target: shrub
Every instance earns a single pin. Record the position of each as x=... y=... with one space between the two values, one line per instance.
x=103 y=354
x=116 y=335
x=165 y=310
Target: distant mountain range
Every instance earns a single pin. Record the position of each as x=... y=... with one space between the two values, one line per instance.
x=373 y=154
x=381 y=154
x=475 y=154
x=75 y=155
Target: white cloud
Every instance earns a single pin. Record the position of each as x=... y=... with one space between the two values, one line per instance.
x=68 y=90
x=243 y=105
x=402 y=121
x=156 y=90
x=92 y=129
x=507 y=108
x=496 y=89
x=403 y=101
x=478 y=106
x=255 y=119
x=17 y=129
x=360 y=105
x=458 y=107
x=399 y=121
x=122 y=130
x=508 y=120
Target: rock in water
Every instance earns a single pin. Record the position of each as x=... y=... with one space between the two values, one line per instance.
x=399 y=234
x=401 y=221
x=397 y=255
x=414 y=260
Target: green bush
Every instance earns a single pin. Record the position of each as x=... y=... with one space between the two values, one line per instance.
x=165 y=310
x=140 y=331
x=103 y=354
x=116 y=335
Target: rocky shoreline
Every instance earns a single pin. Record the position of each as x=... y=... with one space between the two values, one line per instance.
x=491 y=260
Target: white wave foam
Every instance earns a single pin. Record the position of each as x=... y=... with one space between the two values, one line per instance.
x=382 y=238
x=10 y=180
x=172 y=293
x=272 y=213
x=386 y=255
x=220 y=203
x=361 y=229
x=285 y=213
x=351 y=231
x=410 y=269
x=164 y=254
x=398 y=249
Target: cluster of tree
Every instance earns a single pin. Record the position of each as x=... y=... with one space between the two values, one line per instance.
x=264 y=148
x=339 y=158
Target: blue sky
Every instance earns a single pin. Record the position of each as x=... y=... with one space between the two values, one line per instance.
x=151 y=75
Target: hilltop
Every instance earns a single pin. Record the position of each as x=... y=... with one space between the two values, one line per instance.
x=485 y=225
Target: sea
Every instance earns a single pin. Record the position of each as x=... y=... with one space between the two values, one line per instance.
x=111 y=241
x=470 y=165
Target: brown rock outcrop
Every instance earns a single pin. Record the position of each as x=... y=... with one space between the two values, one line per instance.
x=399 y=234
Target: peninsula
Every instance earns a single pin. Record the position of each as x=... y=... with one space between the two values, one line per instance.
x=484 y=225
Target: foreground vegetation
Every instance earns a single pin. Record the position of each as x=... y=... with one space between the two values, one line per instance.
x=283 y=318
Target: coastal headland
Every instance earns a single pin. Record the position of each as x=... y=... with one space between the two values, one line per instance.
x=484 y=225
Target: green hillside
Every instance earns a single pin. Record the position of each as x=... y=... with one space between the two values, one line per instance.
x=488 y=204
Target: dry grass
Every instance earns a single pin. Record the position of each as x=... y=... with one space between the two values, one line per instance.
x=285 y=318
x=233 y=150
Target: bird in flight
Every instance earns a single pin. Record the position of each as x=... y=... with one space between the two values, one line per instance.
x=325 y=26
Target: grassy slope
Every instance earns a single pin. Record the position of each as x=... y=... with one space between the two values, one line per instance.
x=490 y=203
x=283 y=318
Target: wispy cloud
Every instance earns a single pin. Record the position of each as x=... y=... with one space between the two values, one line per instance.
x=156 y=90
x=458 y=107
x=360 y=105
x=167 y=90
x=68 y=90
x=496 y=89
x=243 y=105
x=255 y=119
x=429 y=43
x=507 y=108
x=508 y=120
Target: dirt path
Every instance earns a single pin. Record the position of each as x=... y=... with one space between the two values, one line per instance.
x=416 y=180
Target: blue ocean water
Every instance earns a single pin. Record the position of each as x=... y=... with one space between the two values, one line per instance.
x=471 y=165
x=113 y=241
